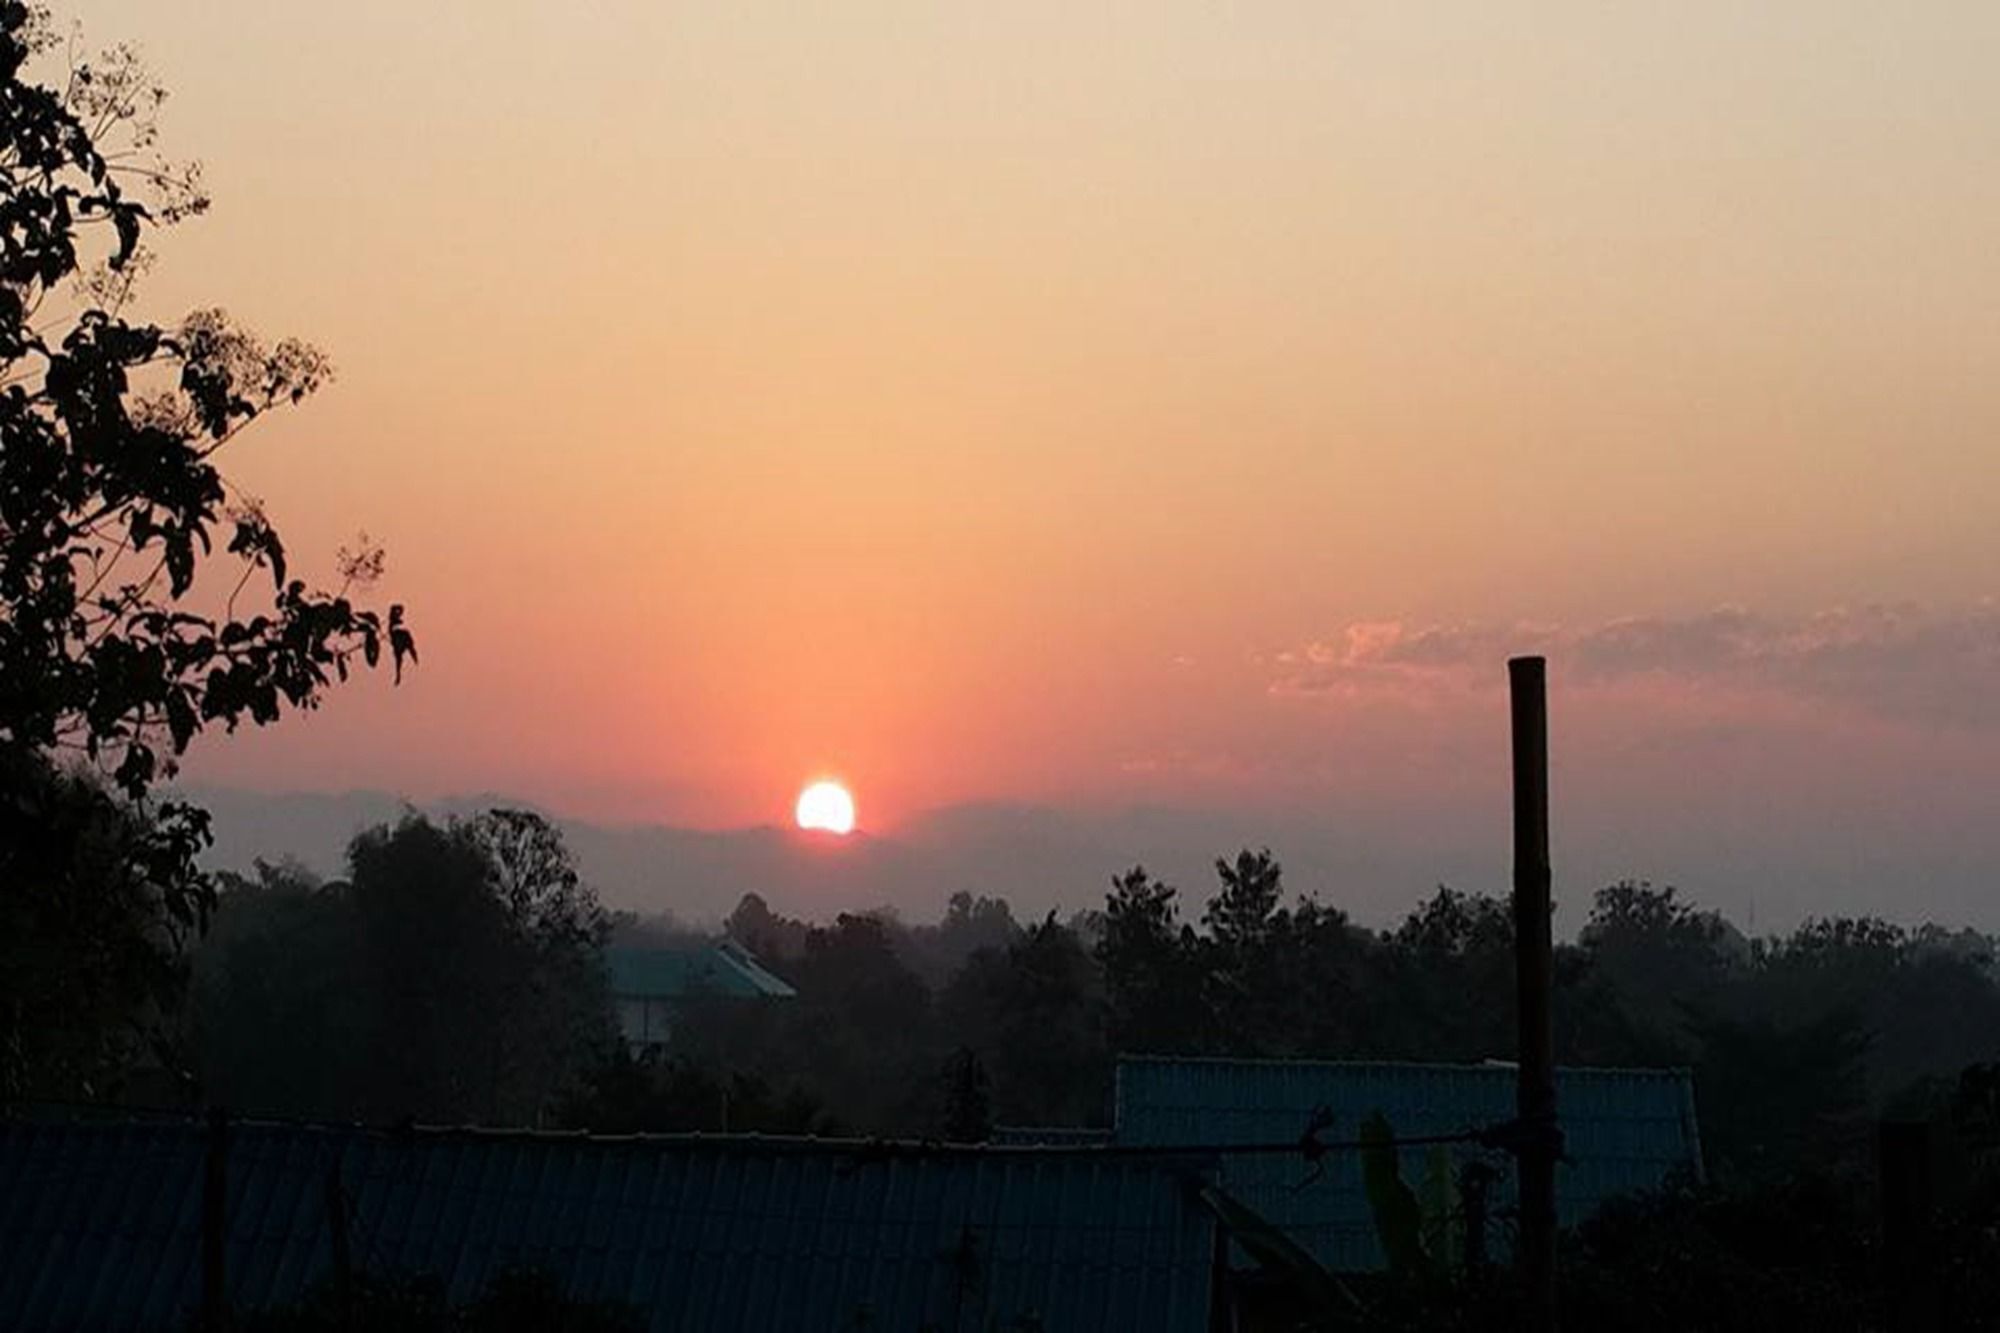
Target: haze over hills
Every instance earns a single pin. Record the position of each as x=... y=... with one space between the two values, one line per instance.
x=1373 y=866
x=1038 y=858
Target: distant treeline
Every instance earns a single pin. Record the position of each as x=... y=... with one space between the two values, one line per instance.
x=456 y=974
x=1797 y=1041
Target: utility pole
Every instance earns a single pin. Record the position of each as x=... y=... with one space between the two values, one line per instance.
x=1538 y=1140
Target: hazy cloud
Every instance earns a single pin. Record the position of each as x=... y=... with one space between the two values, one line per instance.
x=1905 y=662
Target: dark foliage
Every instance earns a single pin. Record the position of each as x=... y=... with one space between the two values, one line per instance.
x=1796 y=1254
x=112 y=510
x=91 y=934
x=626 y=1095
x=456 y=976
x=1033 y=1013
x=1152 y=980
x=967 y=1113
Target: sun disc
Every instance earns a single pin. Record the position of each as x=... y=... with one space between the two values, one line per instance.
x=826 y=807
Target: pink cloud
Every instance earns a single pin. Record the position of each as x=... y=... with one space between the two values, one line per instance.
x=1903 y=663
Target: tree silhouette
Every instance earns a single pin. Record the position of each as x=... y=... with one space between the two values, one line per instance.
x=1032 y=1012
x=1152 y=977
x=1247 y=925
x=442 y=980
x=112 y=507
x=1449 y=988
x=967 y=1113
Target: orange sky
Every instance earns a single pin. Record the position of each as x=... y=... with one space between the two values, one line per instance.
x=1006 y=402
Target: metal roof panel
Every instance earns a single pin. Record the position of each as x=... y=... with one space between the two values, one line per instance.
x=100 y=1225
x=1625 y=1130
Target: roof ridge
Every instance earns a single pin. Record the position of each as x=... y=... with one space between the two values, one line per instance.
x=1481 y=1066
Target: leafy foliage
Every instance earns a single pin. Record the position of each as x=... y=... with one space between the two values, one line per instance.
x=1032 y=1012
x=967 y=1115
x=90 y=942
x=1152 y=981
x=627 y=1095
x=456 y=976
x=111 y=499
x=1399 y=1218
x=112 y=508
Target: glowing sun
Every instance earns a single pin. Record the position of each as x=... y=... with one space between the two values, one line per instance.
x=826 y=806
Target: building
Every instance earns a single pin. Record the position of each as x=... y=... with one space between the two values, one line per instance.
x=1624 y=1131
x=651 y=985
x=113 y=1225
x=102 y=1226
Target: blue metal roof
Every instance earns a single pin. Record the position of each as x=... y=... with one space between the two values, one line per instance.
x=1625 y=1130
x=723 y=967
x=100 y=1226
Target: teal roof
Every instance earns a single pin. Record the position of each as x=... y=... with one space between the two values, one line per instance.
x=662 y=973
x=1625 y=1131
x=100 y=1226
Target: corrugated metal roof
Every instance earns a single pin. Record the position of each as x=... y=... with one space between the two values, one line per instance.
x=723 y=968
x=100 y=1226
x=1625 y=1130
x=1051 y=1136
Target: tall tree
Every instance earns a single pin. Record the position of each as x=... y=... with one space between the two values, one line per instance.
x=756 y=927
x=862 y=1025
x=1661 y=960
x=440 y=981
x=971 y=924
x=278 y=1008
x=1246 y=922
x=485 y=1007
x=1241 y=916
x=112 y=507
x=1448 y=990
x=1032 y=1014
x=1320 y=979
x=1153 y=978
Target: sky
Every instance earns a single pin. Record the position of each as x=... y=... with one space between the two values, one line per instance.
x=1162 y=407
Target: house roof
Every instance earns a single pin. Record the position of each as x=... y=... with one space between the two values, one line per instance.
x=1624 y=1131
x=100 y=1226
x=722 y=967
x=1051 y=1136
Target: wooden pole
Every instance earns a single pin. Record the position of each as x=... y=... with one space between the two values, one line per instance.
x=1540 y=1137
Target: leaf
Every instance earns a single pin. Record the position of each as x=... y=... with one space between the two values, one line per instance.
x=401 y=644
x=182 y=721
x=1398 y=1218
x=1440 y=1208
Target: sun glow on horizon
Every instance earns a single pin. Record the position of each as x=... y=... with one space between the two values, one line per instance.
x=826 y=807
